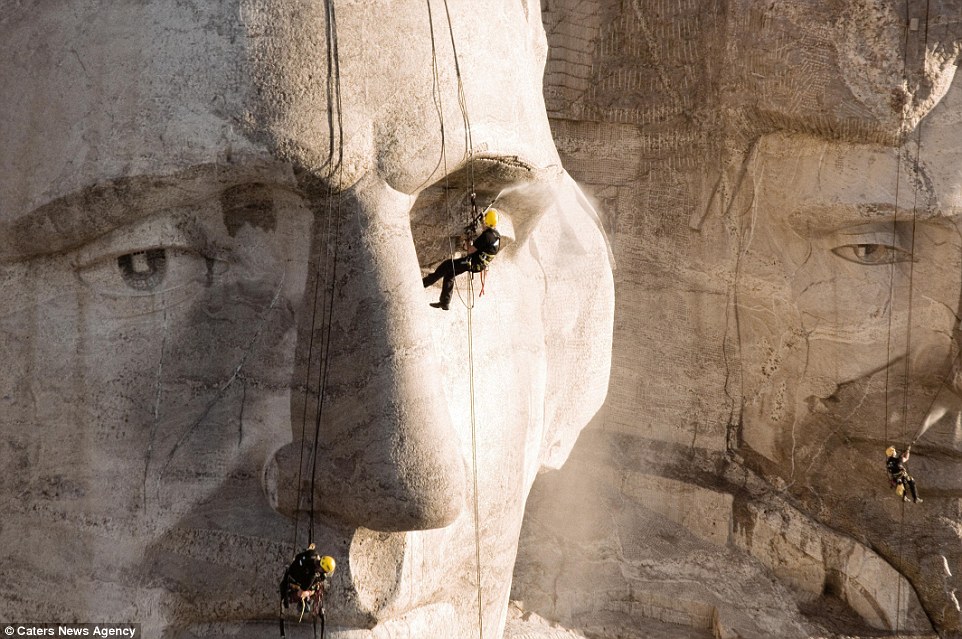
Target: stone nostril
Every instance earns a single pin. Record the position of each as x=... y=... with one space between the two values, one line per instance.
x=376 y=560
x=382 y=494
x=280 y=485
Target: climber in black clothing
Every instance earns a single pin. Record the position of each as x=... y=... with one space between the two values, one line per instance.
x=895 y=463
x=482 y=251
x=304 y=582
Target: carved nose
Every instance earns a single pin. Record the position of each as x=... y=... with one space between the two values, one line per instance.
x=388 y=457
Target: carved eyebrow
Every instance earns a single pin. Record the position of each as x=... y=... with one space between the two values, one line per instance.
x=830 y=218
x=80 y=217
x=84 y=215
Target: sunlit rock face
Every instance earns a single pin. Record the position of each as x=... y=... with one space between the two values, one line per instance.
x=780 y=183
x=214 y=220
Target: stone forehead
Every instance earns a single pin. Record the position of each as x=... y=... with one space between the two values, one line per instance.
x=853 y=69
x=109 y=90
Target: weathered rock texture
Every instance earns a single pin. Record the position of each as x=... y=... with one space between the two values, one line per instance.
x=781 y=185
x=214 y=220
x=210 y=211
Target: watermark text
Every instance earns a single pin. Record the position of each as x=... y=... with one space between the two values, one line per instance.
x=125 y=630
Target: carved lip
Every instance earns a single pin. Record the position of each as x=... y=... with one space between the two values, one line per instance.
x=435 y=620
x=361 y=595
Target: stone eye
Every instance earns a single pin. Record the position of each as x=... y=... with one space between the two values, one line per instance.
x=143 y=270
x=872 y=254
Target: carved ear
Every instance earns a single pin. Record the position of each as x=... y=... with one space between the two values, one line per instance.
x=578 y=318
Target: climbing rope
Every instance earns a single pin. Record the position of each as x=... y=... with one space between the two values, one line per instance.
x=307 y=390
x=891 y=304
x=329 y=274
x=462 y=101
x=333 y=229
x=468 y=157
x=906 y=375
x=439 y=106
x=334 y=202
x=474 y=451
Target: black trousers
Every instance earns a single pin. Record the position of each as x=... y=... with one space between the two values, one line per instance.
x=911 y=485
x=448 y=269
x=906 y=480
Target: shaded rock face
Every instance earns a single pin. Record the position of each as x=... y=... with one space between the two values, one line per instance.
x=214 y=221
x=780 y=183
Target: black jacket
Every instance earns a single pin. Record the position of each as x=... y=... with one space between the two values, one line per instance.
x=486 y=246
x=305 y=571
x=895 y=466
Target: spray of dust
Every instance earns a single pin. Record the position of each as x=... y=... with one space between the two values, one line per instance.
x=947 y=401
x=559 y=198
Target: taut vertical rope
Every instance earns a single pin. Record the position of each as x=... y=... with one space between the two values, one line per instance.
x=469 y=152
x=334 y=104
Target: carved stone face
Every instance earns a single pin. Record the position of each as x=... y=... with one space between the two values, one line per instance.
x=201 y=226
x=848 y=300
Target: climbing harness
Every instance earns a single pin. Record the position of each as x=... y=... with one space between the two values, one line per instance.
x=899 y=476
x=313 y=604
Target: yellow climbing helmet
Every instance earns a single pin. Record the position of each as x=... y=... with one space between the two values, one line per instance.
x=890 y=451
x=328 y=564
x=491 y=217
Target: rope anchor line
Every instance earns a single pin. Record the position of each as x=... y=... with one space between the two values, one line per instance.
x=911 y=25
